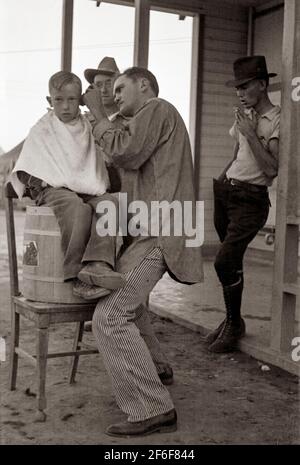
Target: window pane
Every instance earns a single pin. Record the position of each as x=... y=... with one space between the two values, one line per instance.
x=99 y=32
x=170 y=58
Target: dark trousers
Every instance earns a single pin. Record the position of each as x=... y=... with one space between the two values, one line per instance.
x=77 y=217
x=239 y=213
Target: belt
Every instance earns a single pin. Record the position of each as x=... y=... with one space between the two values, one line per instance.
x=246 y=185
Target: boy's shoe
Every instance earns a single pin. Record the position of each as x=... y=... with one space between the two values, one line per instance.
x=88 y=292
x=165 y=423
x=102 y=275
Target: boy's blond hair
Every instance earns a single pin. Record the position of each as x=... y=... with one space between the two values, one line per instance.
x=60 y=79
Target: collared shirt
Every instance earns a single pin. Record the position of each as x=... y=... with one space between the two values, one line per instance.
x=245 y=167
x=153 y=151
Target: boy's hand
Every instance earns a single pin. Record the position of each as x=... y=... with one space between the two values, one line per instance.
x=93 y=100
x=245 y=125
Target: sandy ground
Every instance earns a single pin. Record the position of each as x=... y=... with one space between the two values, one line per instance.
x=220 y=399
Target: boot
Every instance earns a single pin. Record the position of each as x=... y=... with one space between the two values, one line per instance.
x=212 y=335
x=234 y=327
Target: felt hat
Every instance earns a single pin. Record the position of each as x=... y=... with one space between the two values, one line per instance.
x=248 y=68
x=106 y=66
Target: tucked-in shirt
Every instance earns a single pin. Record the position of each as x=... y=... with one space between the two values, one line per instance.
x=152 y=150
x=245 y=167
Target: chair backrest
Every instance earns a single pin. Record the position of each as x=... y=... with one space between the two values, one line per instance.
x=9 y=195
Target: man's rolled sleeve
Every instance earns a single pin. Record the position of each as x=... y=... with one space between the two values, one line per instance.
x=275 y=134
x=130 y=147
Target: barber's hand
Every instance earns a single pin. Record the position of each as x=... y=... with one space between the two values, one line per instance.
x=81 y=102
x=93 y=100
x=245 y=125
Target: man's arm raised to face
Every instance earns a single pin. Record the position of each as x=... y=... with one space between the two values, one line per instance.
x=131 y=146
x=267 y=160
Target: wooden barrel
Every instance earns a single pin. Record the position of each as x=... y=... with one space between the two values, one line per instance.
x=43 y=259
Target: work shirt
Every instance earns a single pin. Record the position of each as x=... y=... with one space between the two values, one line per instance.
x=245 y=167
x=153 y=152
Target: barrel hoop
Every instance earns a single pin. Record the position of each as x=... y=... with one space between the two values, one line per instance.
x=49 y=279
x=38 y=232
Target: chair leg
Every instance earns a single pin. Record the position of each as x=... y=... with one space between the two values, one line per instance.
x=41 y=358
x=14 y=358
x=76 y=346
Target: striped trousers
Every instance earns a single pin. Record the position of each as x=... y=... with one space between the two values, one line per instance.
x=143 y=322
x=136 y=384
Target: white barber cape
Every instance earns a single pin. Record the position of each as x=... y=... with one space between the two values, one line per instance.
x=62 y=155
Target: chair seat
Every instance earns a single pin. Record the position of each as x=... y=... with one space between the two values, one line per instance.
x=42 y=307
x=45 y=314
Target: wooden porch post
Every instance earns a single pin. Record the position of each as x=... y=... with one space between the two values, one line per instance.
x=66 y=35
x=196 y=94
x=285 y=284
x=250 y=34
x=141 y=33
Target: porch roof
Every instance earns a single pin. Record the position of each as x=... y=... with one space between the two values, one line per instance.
x=196 y=5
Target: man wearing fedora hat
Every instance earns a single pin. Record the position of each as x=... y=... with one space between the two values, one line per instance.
x=241 y=201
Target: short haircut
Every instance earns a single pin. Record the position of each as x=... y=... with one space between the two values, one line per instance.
x=136 y=73
x=60 y=79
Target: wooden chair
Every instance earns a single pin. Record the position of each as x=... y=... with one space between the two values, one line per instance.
x=43 y=315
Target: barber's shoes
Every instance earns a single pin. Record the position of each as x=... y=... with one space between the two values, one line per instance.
x=167 y=376
x=102 y=275
x=164 y=423
x=87 y=292
x=87 y=326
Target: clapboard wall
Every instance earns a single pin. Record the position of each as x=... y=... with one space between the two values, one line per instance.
x=224 y=39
